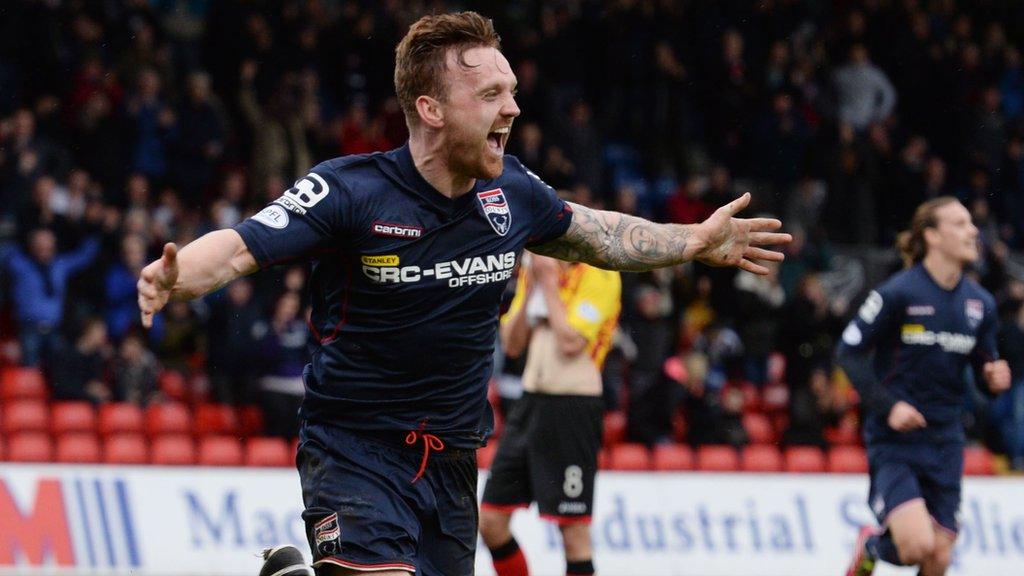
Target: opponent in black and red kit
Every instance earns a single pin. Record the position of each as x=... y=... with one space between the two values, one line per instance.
x=906 y=352
x=412 y=249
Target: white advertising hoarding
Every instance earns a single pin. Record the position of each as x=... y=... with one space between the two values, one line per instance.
x=160 y=521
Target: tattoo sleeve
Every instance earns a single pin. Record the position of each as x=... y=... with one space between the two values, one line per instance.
x=617 y=241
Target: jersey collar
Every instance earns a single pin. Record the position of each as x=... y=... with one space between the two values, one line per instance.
x=419 y=185
x=931 y=280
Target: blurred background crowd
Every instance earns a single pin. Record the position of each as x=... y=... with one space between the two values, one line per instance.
x=126 y=124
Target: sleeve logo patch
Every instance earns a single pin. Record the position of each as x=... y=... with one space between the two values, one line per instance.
x=852 y=335
x=871 y=307
x=273 y=216
x=304 y=194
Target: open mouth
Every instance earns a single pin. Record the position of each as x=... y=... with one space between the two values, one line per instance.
x=497 y=139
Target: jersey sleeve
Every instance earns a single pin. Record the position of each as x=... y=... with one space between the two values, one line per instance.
x=550 y=215
x=877 y=317
x=987 y=349
x=597 y=300
x=307 y=219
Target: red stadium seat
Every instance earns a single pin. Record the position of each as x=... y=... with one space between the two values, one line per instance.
x=679 y=428
x=847 y=460
x=843 y=435
x=125 y=449
x=120 y=418
x=220 y=451
x=759 y=429
x=22 y=383
x=173 y=385
x=780 y=422
x=173 y=450
x=267 y=452
x=78 y=448
x=72 y=417
x=614 y=428
x=805 y=459
x=485 y=455
x=776 y=367
x=775 y=398
x=30 y=447
x=170 y=418
x=214 y=420
x=629 y=456
x=761 y=458
x=751 y=397
x=250 y=421
x=25 y=416
x=672 y=457
x=717 y=458
x=978 y=461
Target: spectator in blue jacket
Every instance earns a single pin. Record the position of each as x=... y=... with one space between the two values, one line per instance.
x=282 y=349
x=39 y=281
x=122 y=307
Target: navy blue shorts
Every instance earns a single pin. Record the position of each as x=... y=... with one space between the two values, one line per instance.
x=901 y=473
x=364 y=511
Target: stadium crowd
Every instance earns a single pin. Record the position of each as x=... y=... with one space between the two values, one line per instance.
x=124 y=125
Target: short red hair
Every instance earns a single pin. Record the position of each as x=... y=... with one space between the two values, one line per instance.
x=420 y=58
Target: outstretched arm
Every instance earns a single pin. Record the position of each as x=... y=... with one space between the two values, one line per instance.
x=617 y=241
x=201 y=267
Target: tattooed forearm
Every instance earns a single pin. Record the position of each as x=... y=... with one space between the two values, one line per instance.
x=620 y=242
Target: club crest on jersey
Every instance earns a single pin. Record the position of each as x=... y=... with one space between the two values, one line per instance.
x=975 y=311
x=496 y=210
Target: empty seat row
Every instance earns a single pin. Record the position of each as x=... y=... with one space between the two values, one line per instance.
x=182 y=449
x=28 y=383
x=22 y=383
x=175 y=449
x=760 y=428
x=761 y=458
x=121 y=417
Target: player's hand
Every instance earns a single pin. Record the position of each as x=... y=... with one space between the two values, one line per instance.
x=997 y=376
x=156 y=282
x=729 y=241
x=903 y=417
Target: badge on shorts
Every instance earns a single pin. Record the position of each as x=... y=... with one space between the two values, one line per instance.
x=327 y=535
x=496 y=209
x=975 y=311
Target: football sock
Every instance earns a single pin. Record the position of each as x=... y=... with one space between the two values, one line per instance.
x=579 y=568
x=509 y=560
x=882 y=547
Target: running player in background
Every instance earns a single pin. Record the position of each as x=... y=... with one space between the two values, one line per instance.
x=906 y=352
x=412 y=249
x=567 y=314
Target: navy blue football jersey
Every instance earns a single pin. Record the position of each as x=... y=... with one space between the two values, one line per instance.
x=924 y=338
x=405 y=286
